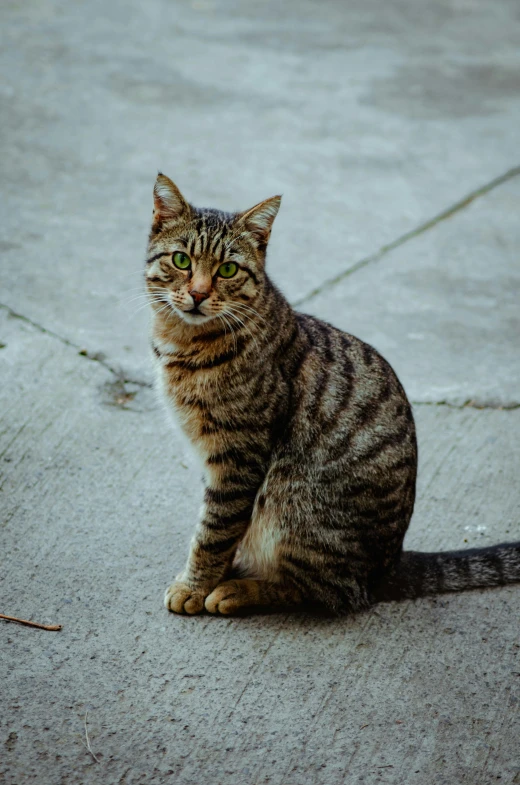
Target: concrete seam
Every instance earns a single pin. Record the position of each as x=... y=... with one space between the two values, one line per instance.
x=404 y=238
x=92 y=356
x=503 y=407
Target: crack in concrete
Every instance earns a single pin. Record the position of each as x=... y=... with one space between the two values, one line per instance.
x=471 y=404
x=97 y=357
x=404 y=238
x=122 y=379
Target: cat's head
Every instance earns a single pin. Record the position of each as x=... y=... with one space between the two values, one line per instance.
x=203 y=263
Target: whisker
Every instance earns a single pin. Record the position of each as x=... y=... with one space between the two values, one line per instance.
x=141 y=288
x=242 y=324
x=142 y=294
x=166 y=307
x=137 y=297
x=232 y=331
x=242 y=315
x=149 y=299
x=221 y=319
x=247 y=308
x=142 y=307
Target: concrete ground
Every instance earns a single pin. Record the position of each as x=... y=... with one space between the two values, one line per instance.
x=393 y=130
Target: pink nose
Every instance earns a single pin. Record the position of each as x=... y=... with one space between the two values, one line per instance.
x=198 y=297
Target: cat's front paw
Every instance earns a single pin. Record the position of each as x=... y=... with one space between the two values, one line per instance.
x=180 y=598
x=232 y=597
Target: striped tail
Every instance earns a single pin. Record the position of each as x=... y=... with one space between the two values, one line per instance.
x=420 y=574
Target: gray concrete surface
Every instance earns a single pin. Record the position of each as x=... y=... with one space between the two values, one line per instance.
x=376 y=121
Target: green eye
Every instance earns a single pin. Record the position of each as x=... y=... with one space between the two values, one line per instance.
x=181 y=260
x=227 y=270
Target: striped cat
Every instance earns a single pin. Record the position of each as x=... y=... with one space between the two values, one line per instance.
x=306 y=435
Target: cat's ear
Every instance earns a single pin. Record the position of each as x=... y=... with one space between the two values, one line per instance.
x=169 y=203
x=259 y=219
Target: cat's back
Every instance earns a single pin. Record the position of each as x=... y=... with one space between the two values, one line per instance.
x=340 y=488
x=347 y=401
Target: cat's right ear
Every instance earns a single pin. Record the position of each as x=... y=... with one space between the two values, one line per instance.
x=169 y=203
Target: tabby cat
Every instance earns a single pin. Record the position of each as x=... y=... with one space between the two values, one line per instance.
x=306 y=435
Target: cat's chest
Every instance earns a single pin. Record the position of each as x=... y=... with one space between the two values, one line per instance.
x=187 y=397
x=208 y=393
x=196 y=401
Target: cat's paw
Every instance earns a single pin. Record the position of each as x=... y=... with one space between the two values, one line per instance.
x=180 y=598
x=229 y=597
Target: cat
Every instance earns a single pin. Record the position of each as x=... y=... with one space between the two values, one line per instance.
x=305 y=432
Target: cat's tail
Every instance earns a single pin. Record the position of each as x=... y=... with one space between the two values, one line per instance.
x=420 y=574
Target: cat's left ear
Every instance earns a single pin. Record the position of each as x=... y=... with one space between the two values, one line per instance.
x=259 y=219
x=169 y=203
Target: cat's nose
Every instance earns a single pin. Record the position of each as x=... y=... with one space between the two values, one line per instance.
x=198 y=297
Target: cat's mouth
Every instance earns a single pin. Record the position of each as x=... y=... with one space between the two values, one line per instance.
x=194 y=315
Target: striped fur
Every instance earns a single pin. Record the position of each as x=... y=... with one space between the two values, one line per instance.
x=306 y=435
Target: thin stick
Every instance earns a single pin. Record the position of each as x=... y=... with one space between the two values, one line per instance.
x=31 y=623
x=87 y=745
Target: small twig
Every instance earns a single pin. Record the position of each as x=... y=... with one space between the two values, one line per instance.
x=388 y=766
x=31 y=623
x=364 y=726
x=87 y=745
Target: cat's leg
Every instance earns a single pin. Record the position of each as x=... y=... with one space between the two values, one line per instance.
x=254 y=580
x=209 y=560
x=225 y=517
x=301 y=536
x=238 y=595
